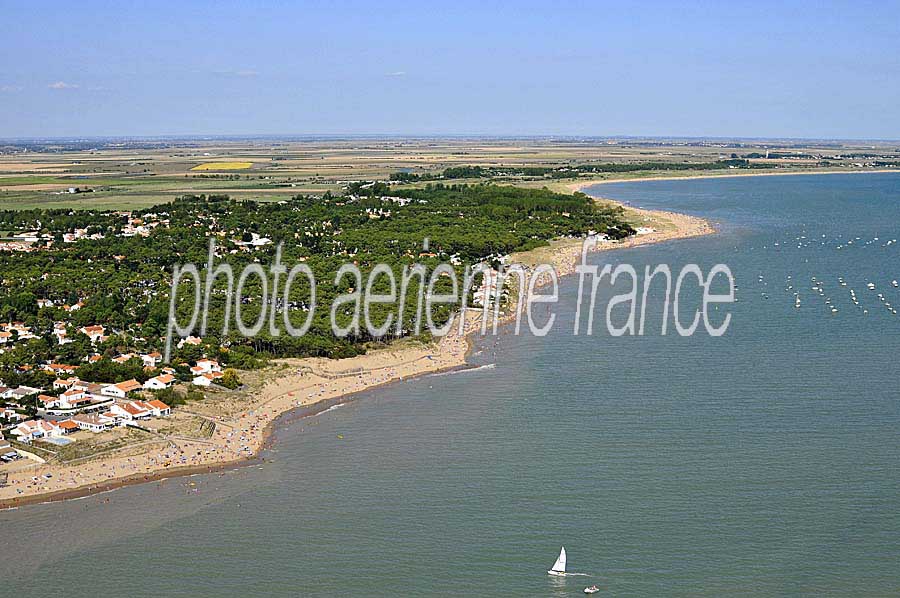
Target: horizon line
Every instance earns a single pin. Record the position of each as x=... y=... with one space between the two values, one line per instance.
x=495 y=136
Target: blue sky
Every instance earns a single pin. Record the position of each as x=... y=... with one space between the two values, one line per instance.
x=760 y=69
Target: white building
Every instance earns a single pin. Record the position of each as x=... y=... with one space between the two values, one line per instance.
x=34 y=429
x=159 y=382
x=207 y=378
x=121 y=390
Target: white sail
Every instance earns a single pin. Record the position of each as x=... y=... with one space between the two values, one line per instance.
x=560 y=565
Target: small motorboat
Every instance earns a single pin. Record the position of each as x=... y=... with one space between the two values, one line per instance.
x=591 y=590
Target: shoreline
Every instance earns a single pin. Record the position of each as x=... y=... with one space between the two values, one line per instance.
x=241 y=435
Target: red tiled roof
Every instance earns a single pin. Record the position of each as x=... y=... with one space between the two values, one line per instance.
x=128 y=385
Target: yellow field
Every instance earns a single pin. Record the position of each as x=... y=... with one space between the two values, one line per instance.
x=223 y=166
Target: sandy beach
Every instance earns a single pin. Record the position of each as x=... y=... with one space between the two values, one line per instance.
x=243 y=426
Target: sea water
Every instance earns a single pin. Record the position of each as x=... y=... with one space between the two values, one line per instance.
x=765 y=462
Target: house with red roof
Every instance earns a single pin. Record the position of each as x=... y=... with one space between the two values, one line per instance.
x=121 y=390
x=159 y=382
x=34 y=429
x=132 y=410
x=159 y=408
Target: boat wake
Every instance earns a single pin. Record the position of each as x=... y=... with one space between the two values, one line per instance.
x=332 y=408
x=489 y=366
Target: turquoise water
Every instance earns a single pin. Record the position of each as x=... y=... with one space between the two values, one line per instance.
x=765 y=462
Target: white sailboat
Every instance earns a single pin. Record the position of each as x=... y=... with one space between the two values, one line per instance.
x=559 y=567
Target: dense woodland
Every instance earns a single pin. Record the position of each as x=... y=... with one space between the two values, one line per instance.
x=124 y=282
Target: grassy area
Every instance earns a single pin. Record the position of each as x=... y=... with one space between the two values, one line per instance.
x=179 y=424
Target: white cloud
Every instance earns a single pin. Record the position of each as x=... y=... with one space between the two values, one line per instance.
x=62 y=85
x=10 y=88
x=397 y=74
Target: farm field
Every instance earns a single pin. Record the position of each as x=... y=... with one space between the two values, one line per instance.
x=223 y=166
x=112 y=174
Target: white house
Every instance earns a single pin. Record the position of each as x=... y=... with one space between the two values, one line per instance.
x=35 y=428
x=206 y=379
x=159 y=382
x=11 y=415
x=95 y=333
x=191 y=340
x=159 y=408
x=151 y=360
x=94 y=422
x=208 y=365
x=124 y=358
x=48 y=402
x=64 y=383
x=17 y=394
x=72 y=397
x=132 y=410
x=201 y=381
x=121 y=389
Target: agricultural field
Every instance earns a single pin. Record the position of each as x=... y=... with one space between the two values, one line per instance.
x=215 y=166
x=132 y=175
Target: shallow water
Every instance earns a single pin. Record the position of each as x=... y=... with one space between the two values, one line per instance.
x=762 y=463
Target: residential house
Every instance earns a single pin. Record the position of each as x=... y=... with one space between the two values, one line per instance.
x=61 y=333
x=94 y=422
x=61 y=369
x=124 y=358
x=48 y=402
x=159 y=408
x=191 y=340
x=151 y=360
x=96 y=333
x=121 y=390
x=159 y=382
x=207 y=378
x=34 y=429
x=64 y=383
x=67 y=426
x=17 y=394
x=11 y=415
x=208 y=365
x=132 y=410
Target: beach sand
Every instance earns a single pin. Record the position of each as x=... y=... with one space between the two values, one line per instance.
x=242 y=424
